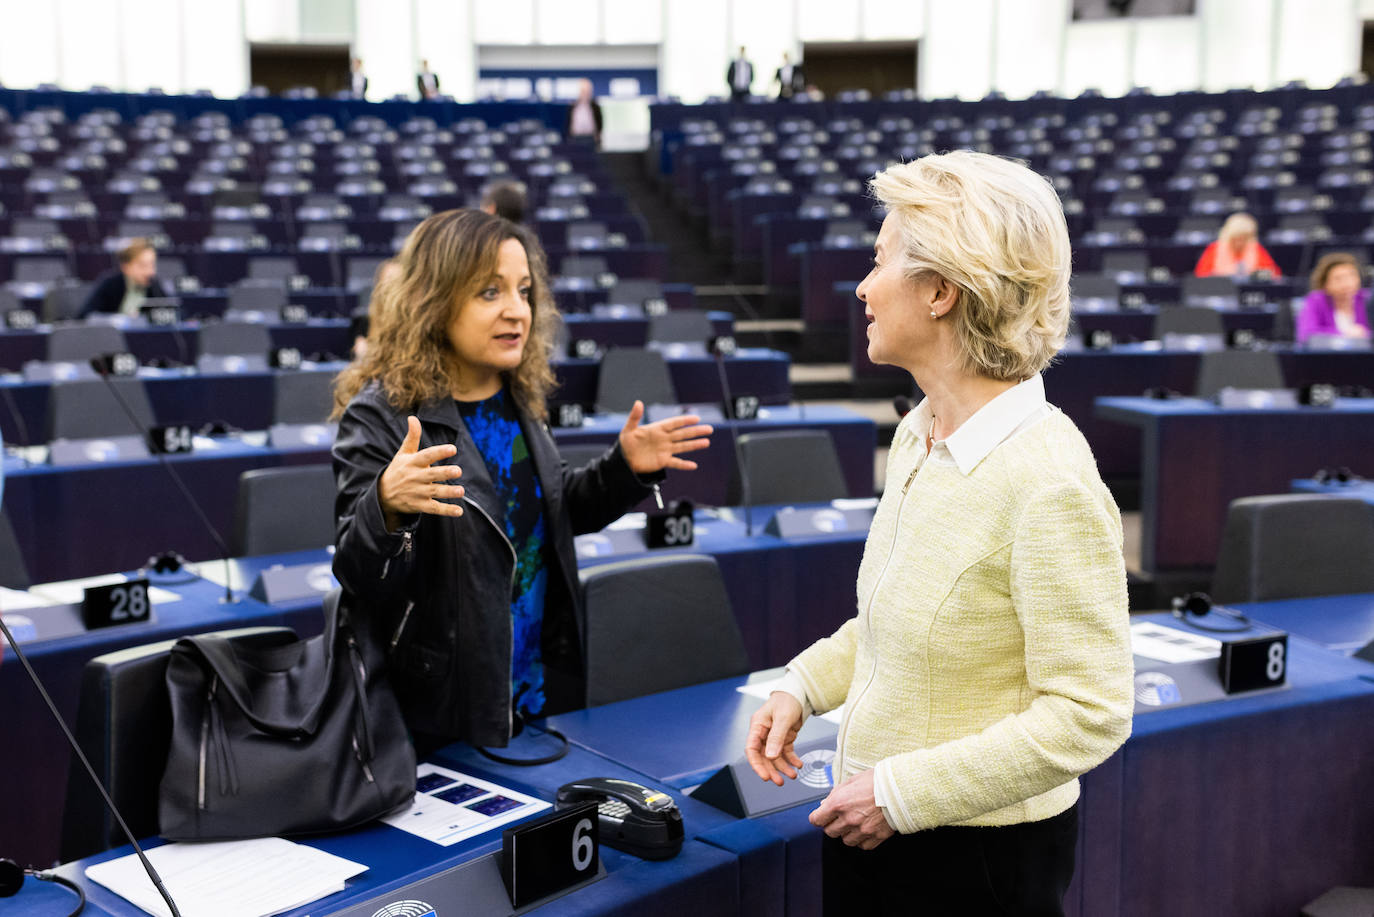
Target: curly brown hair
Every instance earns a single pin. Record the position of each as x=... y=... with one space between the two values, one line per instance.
x=445 y=262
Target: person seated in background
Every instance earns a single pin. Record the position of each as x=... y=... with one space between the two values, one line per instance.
x=584 y=115
x=1336 y=305
x=124 y=290
x=427 y=81
x=505 y=199
x=1236 y=251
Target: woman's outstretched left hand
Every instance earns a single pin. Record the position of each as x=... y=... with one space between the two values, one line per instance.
x=656 y=446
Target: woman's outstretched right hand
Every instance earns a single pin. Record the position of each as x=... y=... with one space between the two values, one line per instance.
x=413 y=483
x=772 y=731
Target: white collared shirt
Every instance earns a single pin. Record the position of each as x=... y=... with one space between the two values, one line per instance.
x=991 y=425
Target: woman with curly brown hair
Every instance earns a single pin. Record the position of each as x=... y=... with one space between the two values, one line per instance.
x=472 y=587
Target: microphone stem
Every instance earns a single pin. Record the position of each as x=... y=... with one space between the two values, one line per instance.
x=181 y=486
x=734 y=443
x=104 y=794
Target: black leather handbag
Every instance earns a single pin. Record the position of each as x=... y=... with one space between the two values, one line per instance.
x=301 y=737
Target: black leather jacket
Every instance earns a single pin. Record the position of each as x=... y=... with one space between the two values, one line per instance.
x=436 y=592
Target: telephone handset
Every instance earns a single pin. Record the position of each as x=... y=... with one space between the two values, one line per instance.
x=633 y=818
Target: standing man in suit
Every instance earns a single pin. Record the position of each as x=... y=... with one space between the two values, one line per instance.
x=739 y=77
x=427 y=81
x=358 y=80
x=789 y=78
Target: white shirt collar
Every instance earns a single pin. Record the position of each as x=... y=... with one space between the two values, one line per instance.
x=990 y=425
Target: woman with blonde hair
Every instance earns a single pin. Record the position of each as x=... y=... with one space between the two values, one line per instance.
x=1236 y=251
x=989 y=662
x=455 y=514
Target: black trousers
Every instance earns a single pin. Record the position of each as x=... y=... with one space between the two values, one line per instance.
x=1020 y=870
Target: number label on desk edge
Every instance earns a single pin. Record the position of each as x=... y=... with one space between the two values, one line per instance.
x=570 y=414
x=583 y=349
x=655 y=306
x=285 y=358
x=21 y=319
x=170 y=439
x=119 y=363
x=673 y=528
x=1259 y=662
x=161 y=316
x=544 y=856
x=742 y=407
x=295 y=314
x=116 y=603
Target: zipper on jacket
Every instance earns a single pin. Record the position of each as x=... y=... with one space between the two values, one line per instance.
x=510 y=622
x=400 y=628
x=868 y=611
x=407 y=548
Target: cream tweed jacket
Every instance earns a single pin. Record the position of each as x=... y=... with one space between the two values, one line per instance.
x=989 y=663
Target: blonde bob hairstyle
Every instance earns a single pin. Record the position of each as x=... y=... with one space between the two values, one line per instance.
x=996 y=231
x=446 y=261
x=1238 y=225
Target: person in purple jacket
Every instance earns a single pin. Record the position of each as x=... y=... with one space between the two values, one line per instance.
x=1336 y=307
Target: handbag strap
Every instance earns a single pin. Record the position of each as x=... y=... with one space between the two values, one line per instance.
x=219 y=656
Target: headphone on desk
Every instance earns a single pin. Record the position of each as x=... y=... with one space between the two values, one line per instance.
x=12 y=879
x=1195 y=607
x=1335 y=475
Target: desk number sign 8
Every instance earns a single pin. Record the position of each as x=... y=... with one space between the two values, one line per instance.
x=1247 y=665
x=117 y=603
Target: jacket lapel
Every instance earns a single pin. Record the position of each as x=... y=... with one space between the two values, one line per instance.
x=476 y=480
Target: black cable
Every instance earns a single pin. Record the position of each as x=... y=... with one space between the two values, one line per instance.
x=176 y=479
x=48 y=876
x=85 y=762
x=18 y=419
x=530 y=762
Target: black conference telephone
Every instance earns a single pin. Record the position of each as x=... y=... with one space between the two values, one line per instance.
x=632 y=818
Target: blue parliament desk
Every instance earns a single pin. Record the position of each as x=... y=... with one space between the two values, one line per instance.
x=714 y=876
x=245 y=399
x=36 y=755
x=785 y=592
x=80 y=520
x=1197 y=457
x=1341 y=623
x=1251 y=805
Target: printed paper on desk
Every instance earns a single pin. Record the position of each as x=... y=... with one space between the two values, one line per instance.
x=450 y=807
x=1169 y=644
x=71 y=592
x=255 y=878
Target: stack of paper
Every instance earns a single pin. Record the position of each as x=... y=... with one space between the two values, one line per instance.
x=255 y=878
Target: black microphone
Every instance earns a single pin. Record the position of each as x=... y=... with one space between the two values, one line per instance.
x=102 y=370
x=71 y=740
x=18 y=418
x=902 y=405
x=734 y=442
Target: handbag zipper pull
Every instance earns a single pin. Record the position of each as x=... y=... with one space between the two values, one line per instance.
x=204 y=741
